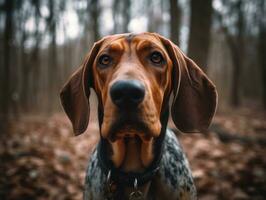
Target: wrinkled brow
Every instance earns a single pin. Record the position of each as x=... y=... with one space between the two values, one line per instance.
x=115 y=46
x=147 y=44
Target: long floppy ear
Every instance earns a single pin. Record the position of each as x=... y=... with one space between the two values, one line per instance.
x=75 y=93
x=195 y=96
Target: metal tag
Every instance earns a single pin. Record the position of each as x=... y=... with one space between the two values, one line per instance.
x=137 y=194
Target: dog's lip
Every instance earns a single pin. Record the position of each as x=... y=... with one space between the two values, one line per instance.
x=128 y=125
x=125 y=133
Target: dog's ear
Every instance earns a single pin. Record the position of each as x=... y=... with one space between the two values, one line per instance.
x=76 y=91
x=195 y=96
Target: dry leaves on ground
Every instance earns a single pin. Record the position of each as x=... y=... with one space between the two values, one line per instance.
x=40 y=158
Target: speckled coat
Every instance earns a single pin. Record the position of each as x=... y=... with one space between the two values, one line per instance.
x=172 y=181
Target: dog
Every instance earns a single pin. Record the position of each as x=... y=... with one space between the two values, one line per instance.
x=133 y=76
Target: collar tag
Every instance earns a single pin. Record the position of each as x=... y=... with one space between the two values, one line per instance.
x=136 y=194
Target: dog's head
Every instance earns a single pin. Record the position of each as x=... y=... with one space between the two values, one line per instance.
x=133 y=76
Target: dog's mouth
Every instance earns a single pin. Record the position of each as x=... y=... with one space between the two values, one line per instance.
x=129 y=125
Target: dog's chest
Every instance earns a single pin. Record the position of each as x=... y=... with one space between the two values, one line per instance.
x=174 y=178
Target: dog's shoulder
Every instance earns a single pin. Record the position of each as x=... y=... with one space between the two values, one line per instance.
x=94 y=180
x=175 y=170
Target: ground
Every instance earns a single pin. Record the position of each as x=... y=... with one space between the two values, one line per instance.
x=41 y=159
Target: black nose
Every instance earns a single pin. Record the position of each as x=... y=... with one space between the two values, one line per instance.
x=127 y=93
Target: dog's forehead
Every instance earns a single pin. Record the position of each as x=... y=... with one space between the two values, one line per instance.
x=131 y=38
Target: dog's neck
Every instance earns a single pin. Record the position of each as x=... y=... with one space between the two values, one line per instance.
x=135 y=155
x=132 y=154
x=132 y=166
x=133 y=161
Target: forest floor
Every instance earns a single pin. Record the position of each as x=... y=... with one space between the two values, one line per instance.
x=40 y=158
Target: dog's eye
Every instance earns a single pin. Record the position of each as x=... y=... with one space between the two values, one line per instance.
x=104 y=60
x=156 y=57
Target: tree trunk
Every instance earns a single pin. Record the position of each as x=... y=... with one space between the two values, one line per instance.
x=126 y=15
x=236 y=47
x=35 y=58
x=237 y=53
x=175 y=19
x=150 y=16
x=116 y=10
x=25 y=73
x=200 y=30
x=237 y=64
x=262 y=54
x=262 y=49
x=53 y=68
x=121 y=15
x=95 y=10
x=6 y=90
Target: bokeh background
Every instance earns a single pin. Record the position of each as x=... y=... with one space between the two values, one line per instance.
x=44 y=41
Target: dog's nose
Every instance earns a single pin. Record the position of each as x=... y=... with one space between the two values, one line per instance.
x=127 y=93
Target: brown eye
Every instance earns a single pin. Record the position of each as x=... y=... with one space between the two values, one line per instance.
x=104 y=60
x=157 y=58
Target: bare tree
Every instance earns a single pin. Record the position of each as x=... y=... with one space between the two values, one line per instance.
x=121 y=15
x=94 y=10
x=175 y=19
x=237 y=52
x=126 y=14
x=8 y=46
x=200 y=29
x=262 y=47
x=26 y=67
x=236 y=46
x=52 y=71
x=35 y=53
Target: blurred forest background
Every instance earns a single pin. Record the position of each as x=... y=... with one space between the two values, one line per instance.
x=43 y=41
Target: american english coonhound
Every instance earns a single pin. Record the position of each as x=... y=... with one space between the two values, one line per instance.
x=133 y=76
